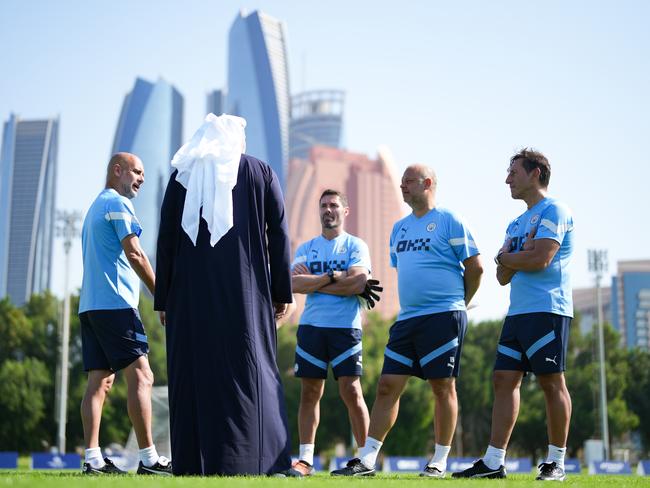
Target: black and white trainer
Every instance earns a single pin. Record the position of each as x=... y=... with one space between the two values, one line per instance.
x=108 y=468
x=163 y=467
x=550 y=472
x=432 y=472
x=480 y=470
x=354 y=468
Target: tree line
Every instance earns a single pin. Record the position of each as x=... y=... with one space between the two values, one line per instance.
x=29 y=355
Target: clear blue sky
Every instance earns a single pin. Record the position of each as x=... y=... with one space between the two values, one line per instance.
x=457 y=85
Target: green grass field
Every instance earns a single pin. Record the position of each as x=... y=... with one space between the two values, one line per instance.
x=67 y=480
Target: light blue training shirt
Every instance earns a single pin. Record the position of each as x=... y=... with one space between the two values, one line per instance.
x=548 y=290
x=340 y=254
x=109 y=282
x=428 y=253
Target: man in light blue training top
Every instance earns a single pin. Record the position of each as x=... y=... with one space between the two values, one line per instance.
x=331 y=269
x=534 y=260
x=438 y=273
x=112 y=335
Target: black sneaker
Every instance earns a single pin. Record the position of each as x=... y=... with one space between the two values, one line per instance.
x=480 y=470
x=108 y=468
x=354 y=468
x=287 y=473
x=432 y=472
x=158 y=468
x=550 y=472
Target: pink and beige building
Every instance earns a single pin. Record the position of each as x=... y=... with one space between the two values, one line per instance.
x=372 y=188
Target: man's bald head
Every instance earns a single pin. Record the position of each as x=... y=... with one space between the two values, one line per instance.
x=419 y=187
x=424 y=172
x=125 y=174
x=123 y=159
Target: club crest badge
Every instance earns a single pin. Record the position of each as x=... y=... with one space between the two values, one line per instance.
x=534 y=219
x=295 y=368
x=342 y=250
x=431 y=226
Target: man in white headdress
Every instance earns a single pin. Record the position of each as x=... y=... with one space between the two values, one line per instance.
x=223 y=277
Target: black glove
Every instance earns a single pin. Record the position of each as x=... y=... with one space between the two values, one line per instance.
x=370 y=294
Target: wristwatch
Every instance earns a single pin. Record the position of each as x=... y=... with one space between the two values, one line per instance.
x=330 y=273
x=497 y=258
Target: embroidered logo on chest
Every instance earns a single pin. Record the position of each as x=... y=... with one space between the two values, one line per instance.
x=431 y=226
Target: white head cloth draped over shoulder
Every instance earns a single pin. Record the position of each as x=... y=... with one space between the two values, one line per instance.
x=207 y=168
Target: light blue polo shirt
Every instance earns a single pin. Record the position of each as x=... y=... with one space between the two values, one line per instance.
x=547 y=290
x=428 y=253
x=109 y=282
x=339 y=254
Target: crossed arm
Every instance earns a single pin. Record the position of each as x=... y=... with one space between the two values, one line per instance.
x=347 y=283
x=535 y=255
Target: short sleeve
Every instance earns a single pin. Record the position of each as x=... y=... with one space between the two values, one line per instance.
x=301 y=256
x=360 y=255
x=554 y=223
x=393 y=252
x=461 y=239
x=509 y=234
x=122 y=218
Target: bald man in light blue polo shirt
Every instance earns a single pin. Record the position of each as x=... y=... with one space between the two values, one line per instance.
x=112 y=334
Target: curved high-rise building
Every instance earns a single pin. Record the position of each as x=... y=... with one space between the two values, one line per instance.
x=258 y=86
x=316 y=119
x=28 y=165
x=151 y=127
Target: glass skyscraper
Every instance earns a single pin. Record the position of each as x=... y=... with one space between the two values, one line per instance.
x=258 y=86
x=214 y=102
x=316 y=119
x=151 y=127
x=631 y=303
x=28 y=165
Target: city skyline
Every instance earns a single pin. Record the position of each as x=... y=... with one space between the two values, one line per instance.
x=460 y=88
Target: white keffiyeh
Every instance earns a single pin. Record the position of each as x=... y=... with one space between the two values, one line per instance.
x=207 y=168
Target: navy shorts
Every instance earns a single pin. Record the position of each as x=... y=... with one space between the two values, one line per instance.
x=534 y=342
x=427 y=346
x=319 y=346
x=112 y=339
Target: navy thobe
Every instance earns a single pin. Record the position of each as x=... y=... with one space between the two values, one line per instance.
x=226 y=401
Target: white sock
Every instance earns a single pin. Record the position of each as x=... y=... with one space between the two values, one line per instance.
x=439 y=459
x=149 y=456
x=307 y=453
x=94 y=457
x=494 y=457
x=368 y=453
x=556 y=455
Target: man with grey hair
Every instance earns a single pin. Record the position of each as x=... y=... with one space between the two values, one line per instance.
x=433 y=248
x=112 y=334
